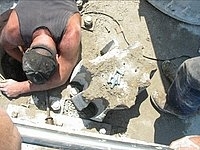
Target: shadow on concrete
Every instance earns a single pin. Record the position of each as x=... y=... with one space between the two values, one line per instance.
x=119 y=117
x=12 y=68
x=170 y=40
x=167 y=129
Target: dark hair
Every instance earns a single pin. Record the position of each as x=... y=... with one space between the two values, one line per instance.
x=39 y=63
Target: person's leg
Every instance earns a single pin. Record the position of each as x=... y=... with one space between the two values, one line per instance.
x=183 y=96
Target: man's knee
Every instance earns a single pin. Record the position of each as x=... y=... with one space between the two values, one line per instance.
x=192 y=63
x=191 y=69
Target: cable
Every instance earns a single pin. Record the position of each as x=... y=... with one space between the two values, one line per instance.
x=101 y=13
x=157 y=59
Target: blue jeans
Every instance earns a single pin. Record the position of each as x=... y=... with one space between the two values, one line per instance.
x=184 y=92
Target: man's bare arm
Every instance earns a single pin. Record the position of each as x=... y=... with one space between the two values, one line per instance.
x=10 y=137
x=10 y=38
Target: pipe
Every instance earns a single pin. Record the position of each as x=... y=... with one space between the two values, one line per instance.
x=58 y=139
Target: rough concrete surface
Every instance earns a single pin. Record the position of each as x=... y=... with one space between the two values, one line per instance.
x=144 y=37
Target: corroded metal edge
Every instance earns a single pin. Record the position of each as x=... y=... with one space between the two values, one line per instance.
x=183 y=10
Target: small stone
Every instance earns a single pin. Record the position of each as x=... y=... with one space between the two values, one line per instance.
x=55 y=105
x=88 y=21
x=14 y=114
x=102 y=131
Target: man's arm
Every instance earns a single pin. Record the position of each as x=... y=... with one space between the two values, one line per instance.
x=10 y=137
x=10 y=37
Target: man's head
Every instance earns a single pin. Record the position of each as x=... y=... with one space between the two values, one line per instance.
x=39 y=63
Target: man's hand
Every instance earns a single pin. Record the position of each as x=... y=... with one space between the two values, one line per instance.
x=11 y=88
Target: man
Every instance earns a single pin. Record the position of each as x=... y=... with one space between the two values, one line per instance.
x=45 y=36
x=10 y=137
x=183 y=96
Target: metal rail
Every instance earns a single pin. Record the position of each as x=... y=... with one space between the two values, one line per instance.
x=59 y=139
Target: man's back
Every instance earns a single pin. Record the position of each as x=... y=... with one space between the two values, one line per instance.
x=52 y=15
